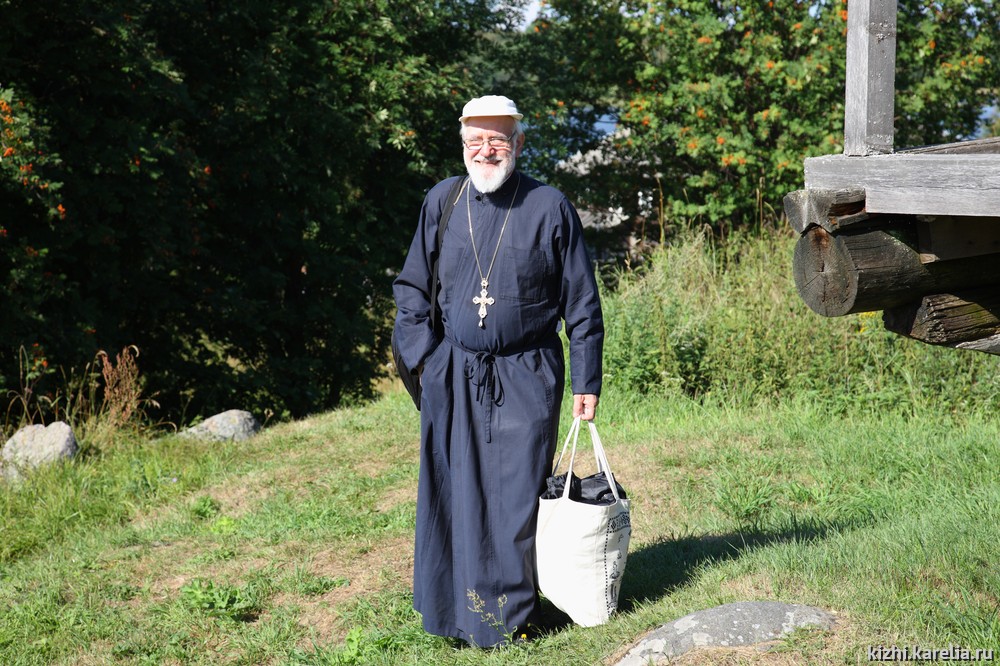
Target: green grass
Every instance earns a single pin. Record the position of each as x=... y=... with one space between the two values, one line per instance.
x=770 y=454
x=294 y=548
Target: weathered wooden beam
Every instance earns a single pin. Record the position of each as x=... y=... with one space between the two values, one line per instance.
x=914 y=183
x=990 y=345
x=830 y=209
x=871 y=77
x=877 y=268
x=948 y=319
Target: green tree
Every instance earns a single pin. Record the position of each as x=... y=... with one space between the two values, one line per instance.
x=226 y=187
x=717 y=104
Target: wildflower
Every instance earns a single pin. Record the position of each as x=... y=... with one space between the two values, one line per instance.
x=701 y=113
x=720 y=140
x=704 y=40
x=770 y=64
x=797 y=26
x=931 y=44
x=62 y=211
x=8 y=151
x=692 y=144
x=843 y=14
x=208 y=170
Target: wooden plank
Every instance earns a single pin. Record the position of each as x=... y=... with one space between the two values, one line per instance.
x=871 y=71
x=942 y=238
x=914 y=184
x=928 y=201
x=988 y=145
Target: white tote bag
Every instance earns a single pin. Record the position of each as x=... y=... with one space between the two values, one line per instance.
x=581 y=547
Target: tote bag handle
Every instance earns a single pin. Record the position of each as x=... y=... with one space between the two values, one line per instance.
x=599 y=455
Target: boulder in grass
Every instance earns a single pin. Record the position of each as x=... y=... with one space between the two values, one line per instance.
x=37 y=445
x=728 y=626
x=235 y=425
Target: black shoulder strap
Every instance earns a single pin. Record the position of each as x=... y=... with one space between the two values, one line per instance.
x=449 y=206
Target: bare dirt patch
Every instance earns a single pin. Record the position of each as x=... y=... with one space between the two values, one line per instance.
x=387 y=564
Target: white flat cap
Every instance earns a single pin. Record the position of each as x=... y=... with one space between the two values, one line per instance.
x=490 y=105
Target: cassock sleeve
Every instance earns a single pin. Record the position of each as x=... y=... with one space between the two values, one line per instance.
x=412 y=288
x=580 y=305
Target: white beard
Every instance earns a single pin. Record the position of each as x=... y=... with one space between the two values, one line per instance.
x=488 y=175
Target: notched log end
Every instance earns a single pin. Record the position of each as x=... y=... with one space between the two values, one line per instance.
x=830 y=209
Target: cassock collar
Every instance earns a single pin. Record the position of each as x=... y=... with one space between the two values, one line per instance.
x=501 y=194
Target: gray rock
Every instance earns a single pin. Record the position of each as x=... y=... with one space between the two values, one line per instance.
x=236 y=425
x=731 y=625
x=37 y=445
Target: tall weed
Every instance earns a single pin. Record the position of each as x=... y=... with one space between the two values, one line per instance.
x=101 y=401
x=721 y=320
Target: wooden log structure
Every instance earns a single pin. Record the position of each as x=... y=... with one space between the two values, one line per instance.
x=878 y=267
x=915 y=233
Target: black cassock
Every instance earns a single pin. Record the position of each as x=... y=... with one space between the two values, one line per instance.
x=491 y=394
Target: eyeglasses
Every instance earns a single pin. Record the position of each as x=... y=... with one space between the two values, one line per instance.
x=495 y=142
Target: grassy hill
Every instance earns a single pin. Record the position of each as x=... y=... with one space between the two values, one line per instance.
x=296 y=547
x=822 y=462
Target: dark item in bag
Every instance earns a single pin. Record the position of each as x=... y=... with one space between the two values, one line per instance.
x=593 y=489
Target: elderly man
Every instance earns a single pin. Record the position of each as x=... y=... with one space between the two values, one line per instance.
x=511 y=265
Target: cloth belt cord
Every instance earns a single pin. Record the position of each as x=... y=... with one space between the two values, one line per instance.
x=481 y=371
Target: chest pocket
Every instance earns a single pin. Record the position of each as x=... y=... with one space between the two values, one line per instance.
x=531 y=275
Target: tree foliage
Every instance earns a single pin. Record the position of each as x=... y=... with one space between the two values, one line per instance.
x=230 y=187
x=717 y=104
x=227 y=187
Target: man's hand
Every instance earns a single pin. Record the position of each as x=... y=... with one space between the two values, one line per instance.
x=585 y=405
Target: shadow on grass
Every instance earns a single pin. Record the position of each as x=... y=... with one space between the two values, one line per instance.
x=654 y=570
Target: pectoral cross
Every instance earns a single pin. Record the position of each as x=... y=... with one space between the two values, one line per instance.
x=482 y=300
